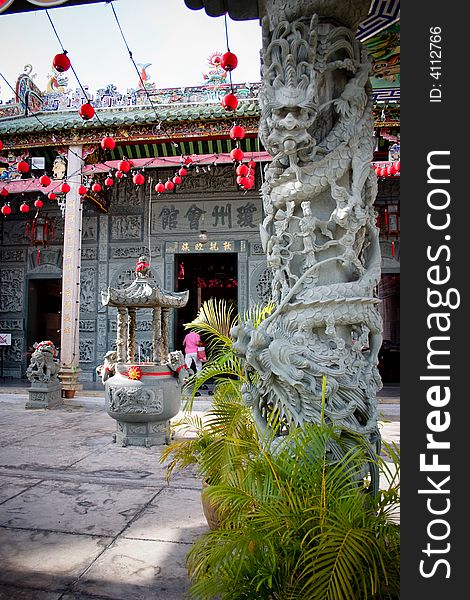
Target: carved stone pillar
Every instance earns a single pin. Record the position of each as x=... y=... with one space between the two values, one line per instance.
x=319 y=231
x=131 y=325
x=121 y=335
x=157 y=334
x=69 y=335
x=165 y=333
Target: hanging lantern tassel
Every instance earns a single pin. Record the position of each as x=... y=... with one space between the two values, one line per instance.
x=393 y=248
x=38 y=257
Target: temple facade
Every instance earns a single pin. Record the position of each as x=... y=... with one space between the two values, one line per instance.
x=203 y=236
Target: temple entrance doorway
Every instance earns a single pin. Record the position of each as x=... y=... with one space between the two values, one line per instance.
x=205 y=276
x=44 y=311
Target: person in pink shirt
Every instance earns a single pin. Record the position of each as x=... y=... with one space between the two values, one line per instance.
x=191 y=343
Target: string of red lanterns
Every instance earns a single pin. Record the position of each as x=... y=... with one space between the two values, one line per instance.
x=388 y=170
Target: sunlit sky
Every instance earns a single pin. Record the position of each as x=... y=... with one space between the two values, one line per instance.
x=176 y=41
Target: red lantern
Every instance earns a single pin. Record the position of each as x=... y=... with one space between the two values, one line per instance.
x=177 y=180
x=383 y=172
x=237 y=154
x=6 y=210
x=160 y=188
x=242 y=170
x=391 y=169
x=240 y=179
x=38 y=203
x=229 y=61
x=61 y=62
x=4 y=192
x=51 y=196
x=64 y=188
x=237 y=132
x=248 y=183
x=119 y=174
x=86 y=111
x=45 y=180
x=188 y=160
x=397 y=166
x=96 y=187
x=1 y=145
x=82 y=190
x=230 y=102
x=107 y=143
x=182 y=172
x=124 y=165
x=138 y=179
x=109 y=181
x=24 y=208
x=22 y=166
x=252 y=164
x=169 y=185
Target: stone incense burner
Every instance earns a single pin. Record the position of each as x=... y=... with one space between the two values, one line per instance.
x=143 y=397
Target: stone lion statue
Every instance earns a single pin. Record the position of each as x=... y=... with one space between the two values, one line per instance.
x=43 y=367
x=177 y=364
x=108 y=368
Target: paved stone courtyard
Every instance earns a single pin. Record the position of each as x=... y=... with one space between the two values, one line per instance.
x=81 y=518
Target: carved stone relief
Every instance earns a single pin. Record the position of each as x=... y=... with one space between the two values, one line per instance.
x=126 y=227
x=11 y=325
x=87 y=350
x=134 y=251
x=87 y=325
x=89 y=229
x=17 y=255
x=89 y=253
x=88 y=294
x=11 y=290
x=261 y=279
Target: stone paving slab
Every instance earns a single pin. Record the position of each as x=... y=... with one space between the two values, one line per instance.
x=173 y=515
x=138 y=570
x=44 y=560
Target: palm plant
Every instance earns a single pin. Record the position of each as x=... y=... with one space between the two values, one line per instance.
x=214 y=321
x=298 y=525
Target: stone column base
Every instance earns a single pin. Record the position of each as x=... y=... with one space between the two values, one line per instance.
x=154 y=433
x=43 y=395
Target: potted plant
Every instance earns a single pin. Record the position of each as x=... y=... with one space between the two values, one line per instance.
x=296 y=522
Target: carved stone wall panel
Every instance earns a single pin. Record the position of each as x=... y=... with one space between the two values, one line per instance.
x=127 y=196
x=103 y=237
x=17 y=255
x=14 y=353
x=126 y=251
x=102 y=330
x=89 y=253
x=126 y=227
x=41 y=257
x=88 y=293
x=8 y=325
x=123 y=275
x=89 y=229
x=87 y=325
x=256 y=249
x=15 y=233
x=87 y=350
x=260 y=282
x=11 y=290
x=102 y=282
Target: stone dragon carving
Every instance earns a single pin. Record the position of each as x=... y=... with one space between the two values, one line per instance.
x=319 y=230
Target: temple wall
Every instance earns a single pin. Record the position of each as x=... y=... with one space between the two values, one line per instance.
x=112 y=242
